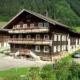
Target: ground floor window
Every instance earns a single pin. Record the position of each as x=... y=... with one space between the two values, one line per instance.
x=37 y=49
x=58 y=48
x=54 y=49
x=46 y=49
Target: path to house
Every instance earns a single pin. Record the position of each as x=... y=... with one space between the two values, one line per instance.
x=7 y=62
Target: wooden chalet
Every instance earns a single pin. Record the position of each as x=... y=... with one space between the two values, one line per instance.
x=30 y=31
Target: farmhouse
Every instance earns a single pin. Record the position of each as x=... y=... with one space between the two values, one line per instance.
x=35 y=33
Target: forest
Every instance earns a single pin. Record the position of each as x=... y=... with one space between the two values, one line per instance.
x=64 y=11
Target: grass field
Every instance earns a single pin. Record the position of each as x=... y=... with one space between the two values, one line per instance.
x=2 y=23
x=14 y=71
x=77 y=29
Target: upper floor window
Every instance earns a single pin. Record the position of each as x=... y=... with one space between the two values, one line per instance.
x=20 y=36
x=46 y=24
x=38 y=36
x=55 y=37
x=14 y=36
x=28 y=36
x=46 y=36
x=14 y=26
x=32 y=25
x=24 y=25
x=63 y=37
x=59 y=37
x=40 y=24
x=18 y=26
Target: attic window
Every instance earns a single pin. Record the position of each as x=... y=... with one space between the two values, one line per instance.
x=24 y=25
x=28 y=16
x=18 y=26
x=40 y=24
x=46 y=24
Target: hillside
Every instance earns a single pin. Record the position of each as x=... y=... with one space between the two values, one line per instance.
x=64 y=11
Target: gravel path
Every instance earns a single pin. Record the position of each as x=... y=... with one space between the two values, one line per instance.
x=9 y=62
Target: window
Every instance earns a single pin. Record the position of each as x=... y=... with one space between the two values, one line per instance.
x=58 y=48
x=28 y=36
x=62 y=47
x=14 y=46
x=14 y=26
x=20 y=36
x=40 y=24
x=63 y=38
x=54 y=48
x=14 y=36
x=24 y=25
x=59 y=37
x=46 y=49
x=38 y=36
x=32 y=25
x=18 y=26
x=55 y=37
x=46 y=36
x=37 y=49
x=46 y=24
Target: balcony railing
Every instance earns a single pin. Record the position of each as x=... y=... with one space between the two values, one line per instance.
x=30 y=41
x=29 y=29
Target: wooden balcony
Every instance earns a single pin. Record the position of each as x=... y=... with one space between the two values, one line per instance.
x=30 y=41
x=29 y=30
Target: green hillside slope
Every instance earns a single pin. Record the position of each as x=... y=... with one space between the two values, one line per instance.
x=64 y=11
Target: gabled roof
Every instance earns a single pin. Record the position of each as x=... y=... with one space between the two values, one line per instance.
x=37 y=15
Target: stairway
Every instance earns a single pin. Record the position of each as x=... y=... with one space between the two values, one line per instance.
x=32 y=54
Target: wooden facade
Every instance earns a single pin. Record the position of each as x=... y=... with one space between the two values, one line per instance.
x=4 y=35
x=43 y=36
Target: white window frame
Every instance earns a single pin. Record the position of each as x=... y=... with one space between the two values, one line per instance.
x=24 y=25
x=18 y=26
x=40 y=24
x=37 y=36
x=32 y=25
x=58 y=47
x=47 y=36
x=62 y=47
x=55 y=49
x=59 y=37
x=28 y=36
x=37 y=49
x=46 y=24
x=45 y=48
x=55 y=37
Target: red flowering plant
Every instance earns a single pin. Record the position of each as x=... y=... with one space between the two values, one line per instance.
x=20 y=39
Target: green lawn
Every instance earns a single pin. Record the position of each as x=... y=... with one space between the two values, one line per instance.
x=77 y=29
x=14 y=71
x=2 y=23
